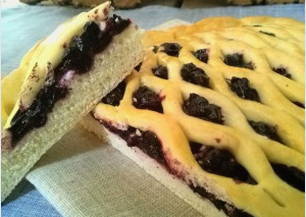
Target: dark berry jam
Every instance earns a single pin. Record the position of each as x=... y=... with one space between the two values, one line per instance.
x=202 y=55
x=237 y=60
x=268 y=33
x=220 y=162
x=199 y=107
x=147 y=141
x=242 y=88
x=291 y=175
x=138 y=67
x=145 y=98
x=301 y=105
x=282 y=71
x=195 y=75
x=265 y=130
x=160 y=71
x=115 y=96
x=36 y=115
x=172 y=49
x=228 y=209
x=155 y=49
x=78 y=57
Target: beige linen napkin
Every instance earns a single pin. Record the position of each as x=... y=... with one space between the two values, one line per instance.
x=82 y=176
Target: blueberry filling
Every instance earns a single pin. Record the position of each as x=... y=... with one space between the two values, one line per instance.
x=291 y=175
x=195 y=75
x=202 y=55
x=145 y=98
x=242 y=88
x=228 y=209
x=155 y=49
x=78 y=57
x=172 y=49
x=265 y=130
x=268 y=33
x=220 y=162
x=301 y=105
x=282 y=71
x=36 y=115
x=114 y=97
x=137 y=68
x=199 y=107
x=237 y=60
x=160 y=71
x=147 y=141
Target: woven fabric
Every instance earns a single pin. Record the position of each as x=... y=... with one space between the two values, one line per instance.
x=26 y=201
x=81 y=176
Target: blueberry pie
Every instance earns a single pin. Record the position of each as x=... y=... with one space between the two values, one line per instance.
x=58 y=82
x=215 y=112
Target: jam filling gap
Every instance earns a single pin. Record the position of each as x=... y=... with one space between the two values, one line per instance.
x=198 y=106
x=172 y=49
x=237 y=60
x=282 y=71
x=291 y=175
x=265 y=130
x=160 y=71
x=202 y=55
x=299 y=104
x=267 y=33
x=145 y=98
x=220 y=162
x=242 y=88
x=115 y=96
x=193 y=74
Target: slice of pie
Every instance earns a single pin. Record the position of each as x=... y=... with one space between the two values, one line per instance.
x=215 y=112
x=59 y=81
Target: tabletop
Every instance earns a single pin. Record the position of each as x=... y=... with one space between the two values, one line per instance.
x=23 y=25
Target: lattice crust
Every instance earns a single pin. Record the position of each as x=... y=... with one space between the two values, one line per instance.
x=265 y=43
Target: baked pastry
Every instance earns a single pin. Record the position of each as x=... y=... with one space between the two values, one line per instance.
x=215 y=112
x=59 y=81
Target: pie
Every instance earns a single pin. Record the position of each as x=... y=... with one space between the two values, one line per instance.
x=215 y=112
x=58 y=82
